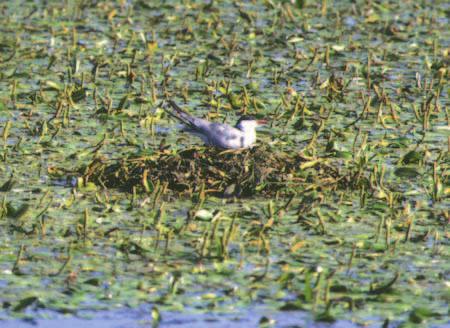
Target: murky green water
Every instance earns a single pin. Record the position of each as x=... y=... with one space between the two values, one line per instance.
x=355 y=234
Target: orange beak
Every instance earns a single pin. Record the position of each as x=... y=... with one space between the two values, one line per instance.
x=261 y=122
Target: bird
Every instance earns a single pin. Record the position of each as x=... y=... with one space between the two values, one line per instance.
x=219 y=135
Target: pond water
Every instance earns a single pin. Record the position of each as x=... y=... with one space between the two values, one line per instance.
x=338 y=214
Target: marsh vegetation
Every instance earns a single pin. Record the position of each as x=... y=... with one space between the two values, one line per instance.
x=340 y=212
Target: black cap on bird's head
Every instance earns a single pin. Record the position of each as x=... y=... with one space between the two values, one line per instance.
x=251 y=118
x=246 y=118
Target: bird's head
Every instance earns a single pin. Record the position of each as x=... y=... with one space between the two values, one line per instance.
x=249 y=122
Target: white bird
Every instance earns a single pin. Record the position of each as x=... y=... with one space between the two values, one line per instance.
x=220 y=135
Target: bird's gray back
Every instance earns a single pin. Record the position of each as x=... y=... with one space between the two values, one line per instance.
x=223 y=135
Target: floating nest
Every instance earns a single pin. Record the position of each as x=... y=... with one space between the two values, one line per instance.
x=258 y=170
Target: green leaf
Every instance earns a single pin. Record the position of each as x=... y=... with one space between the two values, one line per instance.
x=406 y=172
x=24 y=303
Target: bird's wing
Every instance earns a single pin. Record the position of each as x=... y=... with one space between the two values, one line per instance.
x=224 y=130
x=216 y=133
x=224 y=135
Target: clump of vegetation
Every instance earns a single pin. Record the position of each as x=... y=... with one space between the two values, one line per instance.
x=246 y=172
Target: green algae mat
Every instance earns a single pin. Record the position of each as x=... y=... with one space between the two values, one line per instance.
x=340 y=212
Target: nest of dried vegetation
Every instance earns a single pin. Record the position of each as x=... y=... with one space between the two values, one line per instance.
x=227 y=173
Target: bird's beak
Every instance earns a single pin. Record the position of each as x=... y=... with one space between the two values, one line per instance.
x=261 y=122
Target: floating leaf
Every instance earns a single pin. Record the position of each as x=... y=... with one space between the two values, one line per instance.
x=152 y=47
x=16 y=213
x=156 y=317
x=338 y=47
x=406 y=172
x=7 y=186
x=53 y=85
x=420 y=314
x=204 y=215
x=25 y=302
x=412 y=157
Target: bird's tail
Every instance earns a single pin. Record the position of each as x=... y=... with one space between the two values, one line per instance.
x=179 y=113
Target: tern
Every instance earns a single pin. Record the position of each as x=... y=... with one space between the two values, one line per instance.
x=220 y=135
